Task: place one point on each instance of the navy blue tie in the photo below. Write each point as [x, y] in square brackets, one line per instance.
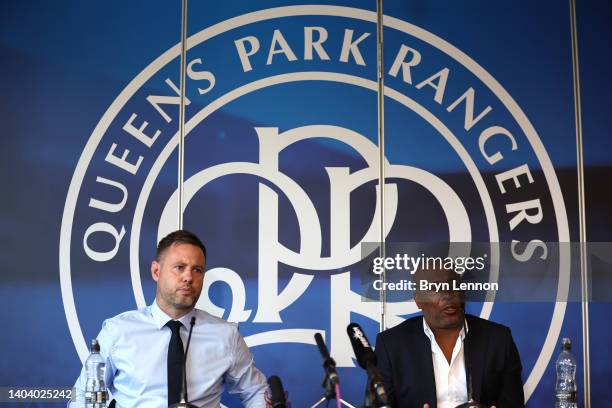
[175, 362]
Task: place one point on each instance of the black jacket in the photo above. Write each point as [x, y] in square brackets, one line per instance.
[405, 363]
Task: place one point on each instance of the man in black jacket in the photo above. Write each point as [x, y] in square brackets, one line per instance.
[427, 361]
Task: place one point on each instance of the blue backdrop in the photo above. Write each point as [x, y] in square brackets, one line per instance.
[281, 166]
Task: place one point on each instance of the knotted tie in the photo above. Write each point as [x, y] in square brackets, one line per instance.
[175, 362]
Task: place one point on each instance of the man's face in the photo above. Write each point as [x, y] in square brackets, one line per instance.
[179, 274]
[443, 309]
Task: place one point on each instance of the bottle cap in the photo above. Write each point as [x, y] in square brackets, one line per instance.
[566, 344]
[95, 346]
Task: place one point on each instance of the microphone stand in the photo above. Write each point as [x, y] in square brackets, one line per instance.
[331, 383]
[330, 394]
[375, 396]
[183, 403]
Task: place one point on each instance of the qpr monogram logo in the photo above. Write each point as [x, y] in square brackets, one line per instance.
[281, 174]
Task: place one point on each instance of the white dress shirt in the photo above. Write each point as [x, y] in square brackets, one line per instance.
[135, 345]
[451, 389]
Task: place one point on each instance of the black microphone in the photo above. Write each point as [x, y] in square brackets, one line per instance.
[361, 346]
[367, 360]
[184, 403]
[277, 392]
[328, 363]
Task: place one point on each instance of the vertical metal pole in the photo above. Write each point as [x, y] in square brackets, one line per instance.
[584, 282]
[381, 154]
[181, 141]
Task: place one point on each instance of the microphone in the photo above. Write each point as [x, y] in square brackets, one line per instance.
[471, 403]
[328, 363]
[277, 392]
[367, 360]
[184, 403]
[361, 346]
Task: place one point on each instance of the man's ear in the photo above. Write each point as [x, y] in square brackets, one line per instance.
[155, 270]
[417, 299]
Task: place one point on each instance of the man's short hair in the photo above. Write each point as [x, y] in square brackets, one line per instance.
[178, 237]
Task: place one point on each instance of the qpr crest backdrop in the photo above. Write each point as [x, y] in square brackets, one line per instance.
[282, 169]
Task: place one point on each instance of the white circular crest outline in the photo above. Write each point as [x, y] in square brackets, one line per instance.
[334, 11]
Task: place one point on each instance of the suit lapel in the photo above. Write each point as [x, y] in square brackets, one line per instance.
[425, 373]
[475, 351]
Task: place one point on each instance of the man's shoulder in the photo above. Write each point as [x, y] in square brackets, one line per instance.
[414, 327]
[480, 325]
[128, 317]
[143, 316]
[208, 322]
[409, 327]
[207, 318]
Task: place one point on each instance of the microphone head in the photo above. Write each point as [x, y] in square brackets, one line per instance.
[277, 392]
[328, 363]
[192, 322]
[361, 346]
[321, 345]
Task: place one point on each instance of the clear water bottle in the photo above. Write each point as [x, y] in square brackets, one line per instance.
[95, 388]
[565, 387]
